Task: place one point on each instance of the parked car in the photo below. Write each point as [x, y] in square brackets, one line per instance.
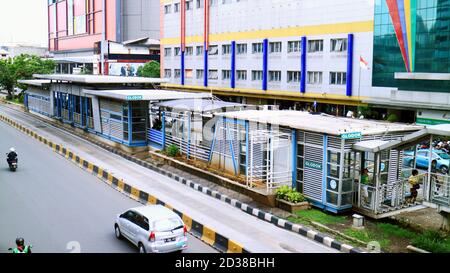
[152, 228]
[440, 158]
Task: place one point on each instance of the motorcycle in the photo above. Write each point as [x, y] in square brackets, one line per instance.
[12, 164]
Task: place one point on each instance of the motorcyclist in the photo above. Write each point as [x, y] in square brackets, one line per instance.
[21, 247]
[11, 156]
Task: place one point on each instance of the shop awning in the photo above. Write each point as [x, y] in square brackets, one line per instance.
[145, 94]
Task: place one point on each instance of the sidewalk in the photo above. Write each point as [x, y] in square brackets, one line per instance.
[253, 234]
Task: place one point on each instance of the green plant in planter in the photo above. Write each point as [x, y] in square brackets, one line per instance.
[282, 191]
[289, 194]
[173, 150]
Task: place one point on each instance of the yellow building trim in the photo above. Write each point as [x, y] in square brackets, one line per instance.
[363, 26]
[275, 94]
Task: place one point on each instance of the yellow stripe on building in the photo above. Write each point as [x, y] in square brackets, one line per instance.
[364, 26]
[407, 4]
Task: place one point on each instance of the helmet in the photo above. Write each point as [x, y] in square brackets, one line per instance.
[20, 241]
[12, 149]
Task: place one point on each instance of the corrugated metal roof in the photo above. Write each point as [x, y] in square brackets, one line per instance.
[145, 94]
[92, 79]
[198, 105]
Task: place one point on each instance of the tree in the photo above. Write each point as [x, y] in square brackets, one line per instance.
[22, 67]
[149, 70]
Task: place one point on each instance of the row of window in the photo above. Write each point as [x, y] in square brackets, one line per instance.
[199, 5]
[336, 45]
[314, 77]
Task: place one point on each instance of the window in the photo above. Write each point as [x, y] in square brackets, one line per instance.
[167, 9]
[189, 51]
[315, 77]
[338, 45]
[257, 75]
[338, 78]
[212, 3]
[226, 49]
[199, 74]
[241, 49]
[275, 47]
[213, 75]
[199, 50]
[177, 73]
[257, 48]
[167, 73]
[274, 76]
[293, 46]
[167, 51]
[188, 5]
[293, 76]
[226, 74]
[176, 7]
[242, 75]
[199, 4]
[188, 73]
[177, 51]
[315, 46]
[213, 50]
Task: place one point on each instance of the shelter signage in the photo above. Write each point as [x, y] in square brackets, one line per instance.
[354, 135]
[135, 97]
[313, 165]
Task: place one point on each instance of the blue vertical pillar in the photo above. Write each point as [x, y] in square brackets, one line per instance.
[58, 104]
[25, 101]
[233, 64]
[86, 107]
[82, 114]
[182, 67]
[350, 65]
[163, 130]
[324, 169]
[205, 66]
[294, 158]
[130, 125]
[303, 66]
[247, 146]
[265, 63]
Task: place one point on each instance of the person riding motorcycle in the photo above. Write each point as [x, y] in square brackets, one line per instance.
[21, 247]
[11, 156]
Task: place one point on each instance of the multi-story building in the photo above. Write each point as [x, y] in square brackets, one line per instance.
[98, 34]
[286, 52]
[297, 52]
[13, 49]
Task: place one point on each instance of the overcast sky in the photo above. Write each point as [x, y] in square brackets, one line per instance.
[23, 21]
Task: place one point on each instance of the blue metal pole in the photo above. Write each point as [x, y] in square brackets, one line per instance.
[324, 170]
[233, 64]
[303, 66]
[265, 63]
[350, 65]
[205, 66]
[247, 146]
[130, 126]
[82, 111]
[182, 67]
[163, 130]
[294, 158]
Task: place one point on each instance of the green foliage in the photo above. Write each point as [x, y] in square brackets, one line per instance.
[149, 70]
[392, 118]
[368, 236]
[432, 241]
[173, 150]
[289, 194]
[22, 67]
[320, 217]
[395, 231]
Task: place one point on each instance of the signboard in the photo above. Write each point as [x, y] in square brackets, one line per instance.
[313, 165]
[354, 135]
[123, 69]
[135, 97]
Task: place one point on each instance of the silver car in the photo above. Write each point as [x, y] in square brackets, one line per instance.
[152, 228]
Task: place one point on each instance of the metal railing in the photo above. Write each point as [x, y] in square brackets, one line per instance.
[77, 118]
[440, 189]
[196, 151]
[65, 114]
[90, 122]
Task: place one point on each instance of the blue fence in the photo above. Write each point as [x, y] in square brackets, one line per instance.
[155, 136]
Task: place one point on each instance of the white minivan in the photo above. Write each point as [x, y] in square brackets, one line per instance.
[152, 228]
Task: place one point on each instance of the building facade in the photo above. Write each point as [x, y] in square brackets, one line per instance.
[270, 52]
[294, 53]
[81, 32]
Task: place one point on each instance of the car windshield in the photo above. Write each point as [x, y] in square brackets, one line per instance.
[443, 155]
[168, 224]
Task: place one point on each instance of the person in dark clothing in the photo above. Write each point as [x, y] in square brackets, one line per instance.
[12, 155]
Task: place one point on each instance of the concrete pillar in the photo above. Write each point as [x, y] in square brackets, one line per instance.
[445, 226]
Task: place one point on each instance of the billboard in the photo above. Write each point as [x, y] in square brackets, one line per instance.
[124, 69]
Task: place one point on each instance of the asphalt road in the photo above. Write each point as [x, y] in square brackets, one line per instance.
[56, 206]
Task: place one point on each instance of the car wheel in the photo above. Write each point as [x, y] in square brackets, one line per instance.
[444, 169]
[142, 248]
[117, 232]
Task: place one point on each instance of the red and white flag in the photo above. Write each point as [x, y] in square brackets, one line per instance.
[363, 63]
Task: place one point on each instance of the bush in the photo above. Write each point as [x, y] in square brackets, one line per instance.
[392, 118]
[173, 150]
[432, 241]
[289, 194]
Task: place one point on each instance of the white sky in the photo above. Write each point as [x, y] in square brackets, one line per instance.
[23, 21]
